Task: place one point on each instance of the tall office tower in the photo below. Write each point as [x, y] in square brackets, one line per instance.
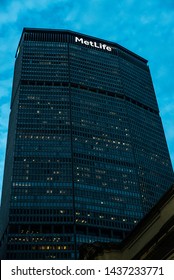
[86, 152]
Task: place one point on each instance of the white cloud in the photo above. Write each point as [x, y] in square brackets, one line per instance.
[169, 130]
[11, 12]
[167, 17]
[3, 140]
[161, 72]
[4, 115]
[5, 88]
[172, 158]
[6, 83]
[168, 108]
[146, 19]
[1, 173]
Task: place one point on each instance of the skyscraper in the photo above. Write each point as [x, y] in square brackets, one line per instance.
[86, 153]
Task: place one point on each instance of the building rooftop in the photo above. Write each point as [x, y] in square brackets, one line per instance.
[53, 31]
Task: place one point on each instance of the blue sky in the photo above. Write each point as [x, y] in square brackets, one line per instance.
[144, 27]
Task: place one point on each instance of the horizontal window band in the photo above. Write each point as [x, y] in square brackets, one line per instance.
[91, 89]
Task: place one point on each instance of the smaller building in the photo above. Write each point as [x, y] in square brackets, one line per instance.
[152, 238]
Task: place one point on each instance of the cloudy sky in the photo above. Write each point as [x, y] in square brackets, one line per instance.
[144, 27]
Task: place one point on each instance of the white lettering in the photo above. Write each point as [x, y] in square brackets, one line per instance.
[86, 43]
[79, 40]
[109, 49]
[93, 44]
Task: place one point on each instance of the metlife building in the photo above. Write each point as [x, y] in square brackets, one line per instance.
[86, 153]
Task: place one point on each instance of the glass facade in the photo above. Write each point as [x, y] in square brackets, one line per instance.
[86, 153]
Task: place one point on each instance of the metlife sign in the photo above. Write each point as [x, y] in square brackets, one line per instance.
[93, 44]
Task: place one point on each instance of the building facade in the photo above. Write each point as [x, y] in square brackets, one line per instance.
[86, 154]
[151, 239]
